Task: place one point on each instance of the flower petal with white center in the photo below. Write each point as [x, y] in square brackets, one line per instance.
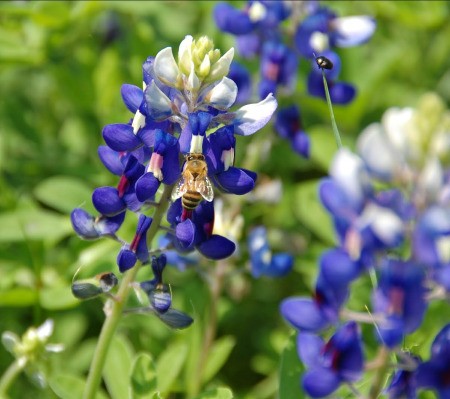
[431, 179]
[165, 67]
[395, 121]
[252, 117]
[159, 105]
[221, 67]
[223, 95]
[354, 30]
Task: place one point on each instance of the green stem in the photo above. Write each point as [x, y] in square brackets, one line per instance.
[115, 312]
[9, 376]
[380, 375]
[333, 121]
[216, 287]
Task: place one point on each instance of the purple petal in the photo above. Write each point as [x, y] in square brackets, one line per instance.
[248, 45]
[309, 347]
[109, 225]
[120, 137]
[337, 267]
[185, 232]
[132, 97]
[320, 382]
[304, 314]
[107, 201]
[83, 224]
[126, 259]
[301, 144]
[237, 181]
[231, 20]
[146, 187]
[217, 247]
[111, 159]
[342, 93]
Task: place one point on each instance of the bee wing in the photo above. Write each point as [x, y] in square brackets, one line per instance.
[205, 189]
[175, 319]
[179, 190]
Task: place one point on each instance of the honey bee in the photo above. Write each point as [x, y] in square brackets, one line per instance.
[194, 184]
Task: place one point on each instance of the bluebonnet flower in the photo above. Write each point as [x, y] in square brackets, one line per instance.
[258, 32]
[263, 262]
[434, 372]
[400, 296]
[337, 270]
[183, 108]
[330, 364]
[289, 126]
[390, 199]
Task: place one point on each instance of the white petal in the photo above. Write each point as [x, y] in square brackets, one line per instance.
[385, 223]
[223, 95]
[353, 30]
[158, 104]
[395, 121]
[348, 169]
[431, 179]
[54, 348]
[252, 117]
[185, 47]
[377, 152]
[45, 330]
[138, 121]
[10, 340]
[221, 67]
[193, 81]
[165, 67]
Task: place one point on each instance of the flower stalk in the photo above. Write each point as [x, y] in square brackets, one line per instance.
[10, 375]
[113, 317]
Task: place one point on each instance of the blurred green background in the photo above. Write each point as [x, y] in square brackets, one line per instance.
[61, 68]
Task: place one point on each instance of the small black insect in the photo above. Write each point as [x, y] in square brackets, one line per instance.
[324, 62]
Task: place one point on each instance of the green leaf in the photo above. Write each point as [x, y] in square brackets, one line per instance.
[218, 355]
[169, 365]
[63, 193]
[18, 297]
[57, 298]
[311, 213]
[117, 368]
[69, 386]
[33, 224]
[143, 377]
[217, 393]
[290, 371]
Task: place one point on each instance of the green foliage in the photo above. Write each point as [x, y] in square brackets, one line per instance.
[61, 68]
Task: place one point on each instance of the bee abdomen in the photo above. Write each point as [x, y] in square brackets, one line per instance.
[191, 199]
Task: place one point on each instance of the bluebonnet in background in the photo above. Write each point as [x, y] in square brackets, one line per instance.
[390, 207]
[184, 107]
[281, 34]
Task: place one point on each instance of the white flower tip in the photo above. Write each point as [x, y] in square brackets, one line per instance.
[45, 330]
[165, 67]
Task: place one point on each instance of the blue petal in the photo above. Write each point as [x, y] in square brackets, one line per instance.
[109, 225]
[126, 259]
[107, 201]
[217, 247]
[231, 20]
[304, 314]
[320, 382]
[342, 93]
[120, 137]
[111, 159]
[240, 75]
[301, 144]
[83, 224]
[185, 232]
[248, 45]
[337, 267]
[236, 181]
[132, 97]
[281, 265]
[146, 187]
[309, 347]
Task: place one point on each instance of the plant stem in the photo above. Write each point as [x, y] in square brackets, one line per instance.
[9, 376]
[380, 375]
[337, 136]
[216, 286]
[115, 313]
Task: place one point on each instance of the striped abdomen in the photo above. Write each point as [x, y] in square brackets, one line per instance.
[191, 199]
